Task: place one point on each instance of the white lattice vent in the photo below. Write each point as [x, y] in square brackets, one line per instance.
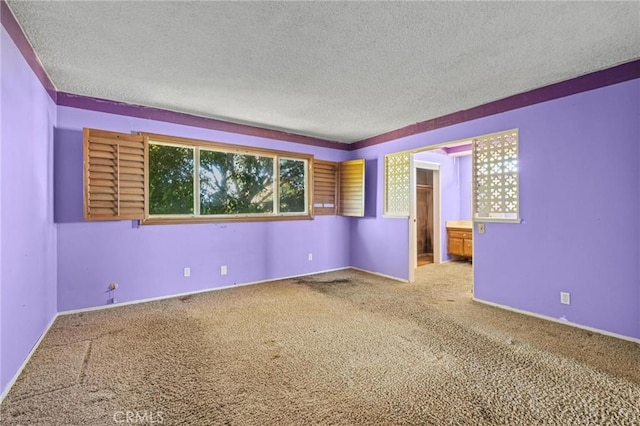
[495, 173]
[397, 184]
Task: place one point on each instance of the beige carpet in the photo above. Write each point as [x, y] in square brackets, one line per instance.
[343, 348]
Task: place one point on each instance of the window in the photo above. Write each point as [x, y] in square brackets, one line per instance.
[293, 178]
[171, 180]
[201, 181]
[165, 179]
[495, 177]
[233, 184]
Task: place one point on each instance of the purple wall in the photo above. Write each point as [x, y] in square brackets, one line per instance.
[580, 205]
[376, 244]
[464, 168]
[148, 261]
[3, 381]
[27, 230]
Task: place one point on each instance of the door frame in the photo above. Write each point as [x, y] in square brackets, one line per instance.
[413, 214]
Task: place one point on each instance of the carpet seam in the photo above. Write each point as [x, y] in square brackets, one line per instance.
[85, 362]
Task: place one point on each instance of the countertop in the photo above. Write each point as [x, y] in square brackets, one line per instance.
[463, 224]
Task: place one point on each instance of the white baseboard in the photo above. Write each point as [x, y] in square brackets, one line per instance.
[379, 274]
[189, 293]
[133, 302]
[559, 321]
[26, 360]
[170, 296]
[442, 262]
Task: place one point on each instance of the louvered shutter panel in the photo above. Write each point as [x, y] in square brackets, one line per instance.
[325, 187]
[114, 175]
[351, 188]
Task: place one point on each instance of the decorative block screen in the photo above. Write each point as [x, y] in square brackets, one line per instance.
[495, 174]
[397, 169]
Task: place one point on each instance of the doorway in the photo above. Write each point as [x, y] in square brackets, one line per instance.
[448, 173]
[425, 245]
[424, 216]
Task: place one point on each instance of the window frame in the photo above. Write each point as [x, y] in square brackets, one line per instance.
[308, 196]
[196, 217]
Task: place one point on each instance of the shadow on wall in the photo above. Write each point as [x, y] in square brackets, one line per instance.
[68, 176]
[370, 180]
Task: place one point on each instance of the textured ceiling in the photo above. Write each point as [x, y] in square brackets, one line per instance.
[341, 71]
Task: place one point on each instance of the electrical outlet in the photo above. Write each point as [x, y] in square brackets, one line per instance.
[310, 256]
[481, 228]
[186, 272]
[565, 298]
[223, 270]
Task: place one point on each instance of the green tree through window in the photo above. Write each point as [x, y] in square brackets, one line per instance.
[170, 180]
[235, 183]
[292, 179]
[229, 183]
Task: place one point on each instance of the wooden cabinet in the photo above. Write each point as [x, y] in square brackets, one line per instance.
[460, 242]
[467, 250]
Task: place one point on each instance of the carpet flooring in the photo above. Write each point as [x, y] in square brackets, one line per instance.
[342, 348]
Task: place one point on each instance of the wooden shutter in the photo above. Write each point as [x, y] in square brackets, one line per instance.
[325, 187]
[114, 175]
[351, 188]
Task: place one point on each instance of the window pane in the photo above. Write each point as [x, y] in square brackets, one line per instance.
[170, 179]
[292, 180]
[235, 183]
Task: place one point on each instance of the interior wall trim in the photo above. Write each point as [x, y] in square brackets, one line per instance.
[391, 277]
[26, 360]
[193, 292]
[18, 36]
[595, 80]
[167, 116]
[559, 321]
